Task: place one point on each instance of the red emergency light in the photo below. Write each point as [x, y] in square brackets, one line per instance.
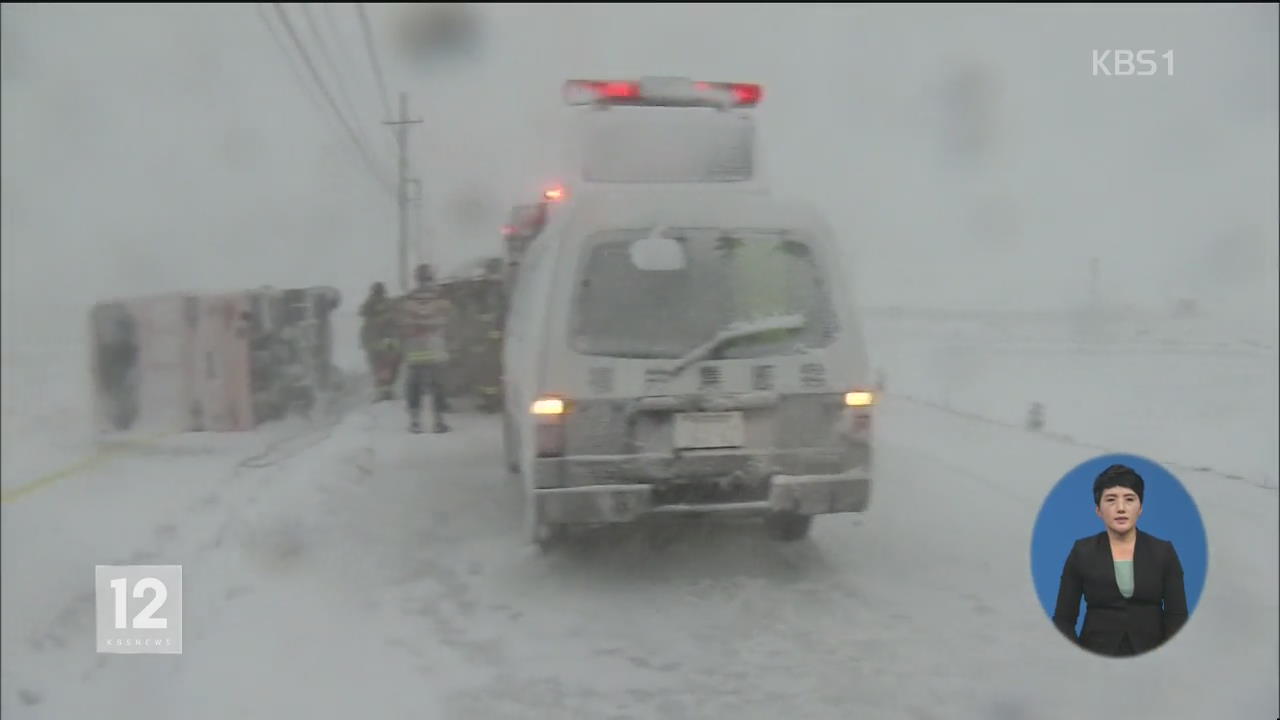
[611, 90]
[554, 194]
[747, 94]
[671, 92]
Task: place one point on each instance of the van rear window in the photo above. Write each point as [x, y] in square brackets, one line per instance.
[729, 276]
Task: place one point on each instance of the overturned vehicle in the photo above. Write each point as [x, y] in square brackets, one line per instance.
[217, 362]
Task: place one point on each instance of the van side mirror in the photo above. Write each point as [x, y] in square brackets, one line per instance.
[657, 253]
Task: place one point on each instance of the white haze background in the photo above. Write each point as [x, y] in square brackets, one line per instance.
[170, 148]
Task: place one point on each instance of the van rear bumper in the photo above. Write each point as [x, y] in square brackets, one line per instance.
[799, 494]
[739, 466]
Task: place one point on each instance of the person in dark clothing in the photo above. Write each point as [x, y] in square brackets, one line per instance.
[1131, 581]
[379, 339]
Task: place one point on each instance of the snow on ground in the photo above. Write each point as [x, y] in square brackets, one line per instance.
[43, 421]
[142, 506]
[381, 574]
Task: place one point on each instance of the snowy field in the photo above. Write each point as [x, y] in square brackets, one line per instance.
[358, 571]
[1190, 393]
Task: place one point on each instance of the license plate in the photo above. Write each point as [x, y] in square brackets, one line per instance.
[709, 430]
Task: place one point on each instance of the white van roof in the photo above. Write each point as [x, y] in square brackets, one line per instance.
[598, 209]
[686, 146]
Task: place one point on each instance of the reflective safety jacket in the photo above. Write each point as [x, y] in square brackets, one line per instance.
[422, 318]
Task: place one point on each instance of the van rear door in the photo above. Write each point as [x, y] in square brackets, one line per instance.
[726, 363]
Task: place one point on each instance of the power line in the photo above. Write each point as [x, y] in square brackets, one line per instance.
[373, 58]
[315, 75]
[331, 20]
[371, 165]
[291, 60]
[355, 135]
[333, 66]
[345, 57]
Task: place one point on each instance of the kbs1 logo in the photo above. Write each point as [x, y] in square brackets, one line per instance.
[1124, 63]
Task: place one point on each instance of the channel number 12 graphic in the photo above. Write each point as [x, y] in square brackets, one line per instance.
[139, 608]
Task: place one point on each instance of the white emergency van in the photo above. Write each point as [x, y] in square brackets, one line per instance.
[687, 348]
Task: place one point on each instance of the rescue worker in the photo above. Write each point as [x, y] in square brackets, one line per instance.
[379, 338]
[422, 319]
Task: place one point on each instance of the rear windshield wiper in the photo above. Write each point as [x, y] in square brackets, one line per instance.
[735, 332]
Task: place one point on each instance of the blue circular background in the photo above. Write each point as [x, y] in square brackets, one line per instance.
[1168, 512]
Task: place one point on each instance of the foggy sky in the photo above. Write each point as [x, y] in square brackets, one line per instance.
[166, 148]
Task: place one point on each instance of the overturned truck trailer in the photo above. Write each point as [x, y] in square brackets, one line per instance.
[218, 362]
[291, 350]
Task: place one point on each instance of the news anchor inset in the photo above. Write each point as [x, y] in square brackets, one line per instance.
[1131, 581]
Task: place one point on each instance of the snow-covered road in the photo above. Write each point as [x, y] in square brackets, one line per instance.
[380, 574]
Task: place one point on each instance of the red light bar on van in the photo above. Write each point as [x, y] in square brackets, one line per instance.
[659, 92]
[747, 94]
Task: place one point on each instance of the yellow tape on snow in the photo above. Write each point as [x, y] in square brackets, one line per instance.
[94, 460]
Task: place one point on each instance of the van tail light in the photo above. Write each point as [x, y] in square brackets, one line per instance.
[858, 405]
[549, 413]
[859, 398]
[547, 406]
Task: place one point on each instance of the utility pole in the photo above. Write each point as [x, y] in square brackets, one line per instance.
[402, 141]
[418, 229]
[1093, 281]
